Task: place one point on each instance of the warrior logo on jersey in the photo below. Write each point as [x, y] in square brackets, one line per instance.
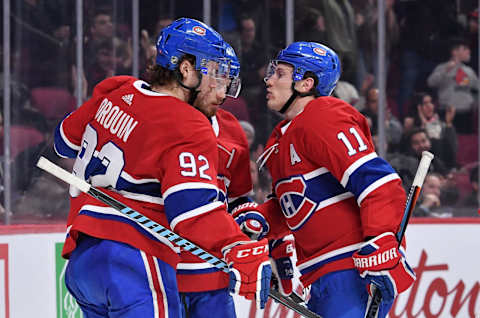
[296, 207]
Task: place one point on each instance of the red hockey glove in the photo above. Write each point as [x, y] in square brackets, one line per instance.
[381, 263]
[250, 270]
[281, 252]
[250, 220]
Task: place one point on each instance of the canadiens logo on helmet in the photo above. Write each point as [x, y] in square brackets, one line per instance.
[199, 30]
[320, 51]
[174, 60]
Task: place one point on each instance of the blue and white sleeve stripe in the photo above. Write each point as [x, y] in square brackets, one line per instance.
[188, 200]
[64, 147]
[366, 175]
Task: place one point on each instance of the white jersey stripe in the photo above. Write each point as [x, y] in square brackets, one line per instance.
[131, 179]
[375, 185]
[195, 212]
[315, 173]
[333, 200]
[323, 204]
[354, 166]
[194, 266]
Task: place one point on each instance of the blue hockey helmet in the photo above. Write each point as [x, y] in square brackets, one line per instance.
[313, 57]
[234, 73]
[189, 36]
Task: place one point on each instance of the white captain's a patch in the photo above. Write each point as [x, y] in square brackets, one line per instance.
[294, 158]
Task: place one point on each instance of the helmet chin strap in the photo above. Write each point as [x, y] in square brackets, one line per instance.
[193, 90]
[294, 95]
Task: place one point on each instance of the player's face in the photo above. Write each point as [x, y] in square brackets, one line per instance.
[279, 85]
[212, 89]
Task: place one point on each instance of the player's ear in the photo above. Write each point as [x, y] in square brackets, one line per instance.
[185, 69]
[305, 85]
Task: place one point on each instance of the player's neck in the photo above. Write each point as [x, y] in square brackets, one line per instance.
[172, 90]
[297, 106]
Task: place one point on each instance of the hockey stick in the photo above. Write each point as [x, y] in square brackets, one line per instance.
[157, 229]
[412, 198]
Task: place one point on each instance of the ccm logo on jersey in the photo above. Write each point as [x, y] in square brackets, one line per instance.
[376, 260]
[252, 251]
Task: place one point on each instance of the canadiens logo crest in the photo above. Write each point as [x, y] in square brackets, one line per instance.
[199, 30]
[320, 51]
[296, 207]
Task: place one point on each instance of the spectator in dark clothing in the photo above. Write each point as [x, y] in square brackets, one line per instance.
[442, 133]
[418, 141]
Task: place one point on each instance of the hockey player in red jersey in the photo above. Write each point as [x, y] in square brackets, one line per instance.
[342, 202]
[145, 145]
[203, 288]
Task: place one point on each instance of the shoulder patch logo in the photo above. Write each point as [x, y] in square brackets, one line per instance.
[128, 99]
[294, 158]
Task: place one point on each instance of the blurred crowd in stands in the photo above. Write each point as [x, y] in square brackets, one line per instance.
[432, 80]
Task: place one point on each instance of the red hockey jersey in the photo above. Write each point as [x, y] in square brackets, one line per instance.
[154, 153]
[234, 182]
[331, 186]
